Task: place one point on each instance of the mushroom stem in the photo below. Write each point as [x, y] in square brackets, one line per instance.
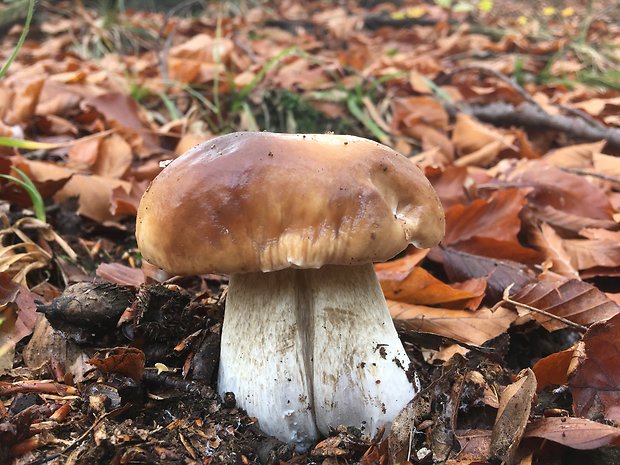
[307, 350]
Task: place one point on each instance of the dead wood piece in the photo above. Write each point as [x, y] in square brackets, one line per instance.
[532, 116]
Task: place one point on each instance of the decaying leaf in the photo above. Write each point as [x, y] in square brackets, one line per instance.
[127, 361]
[595, 382]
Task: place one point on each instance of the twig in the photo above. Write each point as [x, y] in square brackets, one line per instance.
[532, 116]
[76, 442]
[594, 174]
[567, 322]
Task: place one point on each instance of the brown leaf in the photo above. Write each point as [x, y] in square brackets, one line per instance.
[94, 194]
[470, 136]
[126, 203]
[449, 184]
[606, 164]
[24, 101]
[574, 156]
[471, 327]
[595, 383]
[461, 266]
[502, 250]
[114, 157]
[120, 274]
[553, 369]
[548, 241]
[420, 287]
[83, 154]
[563, 191]
[18, 313]
[512, 416]
[574, 300]
[409, 111]
[496, 218]
[577, 433]
[126, 361]
[569, 221]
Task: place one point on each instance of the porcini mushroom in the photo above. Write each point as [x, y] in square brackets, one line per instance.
[297, 221]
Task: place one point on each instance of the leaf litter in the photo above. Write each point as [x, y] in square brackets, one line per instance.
[512, 114]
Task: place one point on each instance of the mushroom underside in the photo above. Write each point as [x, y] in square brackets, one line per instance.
[308, 350]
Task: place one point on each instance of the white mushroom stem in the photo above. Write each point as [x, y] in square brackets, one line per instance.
[308, 350]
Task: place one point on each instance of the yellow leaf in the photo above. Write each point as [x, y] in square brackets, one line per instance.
[568, 11]
[548, 11]
[485, 5]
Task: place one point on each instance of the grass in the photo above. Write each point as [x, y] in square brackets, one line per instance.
[20, 42]
[35, 196]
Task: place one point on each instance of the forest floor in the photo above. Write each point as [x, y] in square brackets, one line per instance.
[511, 323]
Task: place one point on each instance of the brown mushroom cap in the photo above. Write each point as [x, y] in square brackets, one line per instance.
[258, 201]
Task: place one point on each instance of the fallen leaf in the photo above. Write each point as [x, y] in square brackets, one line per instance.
[499, 274]
[126, 361]
[472, 327]
[553, 369]
[577, 433]
[513, 414]
[496, 217]
[94, 193]
[574, 300]
[548, 241]
[120, 274]
[114, 157]
[449, 184]
[595, 383]
[17, 317]
[470, 136]
[420, 287]
[574, 156]
[126, 203]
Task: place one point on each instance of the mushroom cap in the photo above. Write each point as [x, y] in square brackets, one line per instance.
[259, 201]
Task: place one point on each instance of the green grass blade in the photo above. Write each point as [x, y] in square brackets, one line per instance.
[356, 111]
[21, 40]
[27, 144]
[32, 191]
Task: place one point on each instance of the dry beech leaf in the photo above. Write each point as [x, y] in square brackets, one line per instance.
[472, 327]
[83, 154]
[553, 369]
[126, 361]
[502, 250]
[568, 221]
[126, 203]
[499, 274]
[574, 300]
[496, 218]
[470, 136]
[577, 433]
[409, 111]
[401, 267]
[548, 241]
[515, 404]
[114, 158]
[24, 102]
[421, 287]
[574, 156]
[449, 184]
[595, 383]
[94, 193]
[606, 164]
[18, 313]
[120, 274]
[563, 191]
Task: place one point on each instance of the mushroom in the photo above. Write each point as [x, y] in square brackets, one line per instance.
[297, 221]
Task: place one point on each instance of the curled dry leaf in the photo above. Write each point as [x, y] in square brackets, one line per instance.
[120, 274]
[476, 142]
[574, 300]
[548, 241]
[595, 382]
[577, 433]
[126, 361]
[471, 327]
[18, 316]
[512, 416]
